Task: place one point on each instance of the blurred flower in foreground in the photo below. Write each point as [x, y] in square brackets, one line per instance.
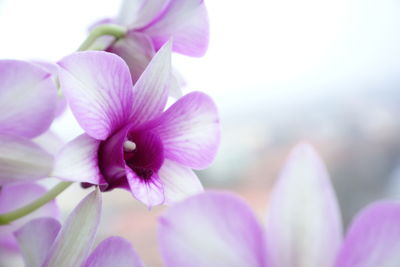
[14, 196]
[303, 227]
[27, 108]
[130, 142]
[44, 242]
[150, 24]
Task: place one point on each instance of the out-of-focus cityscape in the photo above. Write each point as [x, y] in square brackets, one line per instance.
[281, 72]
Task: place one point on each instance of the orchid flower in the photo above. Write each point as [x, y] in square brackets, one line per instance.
[27, 108]
[14, 196]
[303, 226]
[130, 142]
[150, 24]
[44, 242]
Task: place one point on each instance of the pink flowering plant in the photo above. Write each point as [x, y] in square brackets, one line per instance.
[139, 139]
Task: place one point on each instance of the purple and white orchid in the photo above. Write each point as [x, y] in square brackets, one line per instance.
[303, 226]
[150, 24]
[44, 242]
[27, 108]
[130, 141]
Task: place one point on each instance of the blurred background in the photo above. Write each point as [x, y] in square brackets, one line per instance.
[281, 72]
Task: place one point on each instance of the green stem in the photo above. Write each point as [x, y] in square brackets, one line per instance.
[6, 218]
[101, 30]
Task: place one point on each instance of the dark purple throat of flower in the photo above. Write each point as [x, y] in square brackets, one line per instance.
[140, 151]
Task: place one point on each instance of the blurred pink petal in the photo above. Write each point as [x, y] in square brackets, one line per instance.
[114, 251]
[97, 86]
[373, 238]
[15, 196]
[27, 98]
[303, 226]
[36, 238]
[211, 229]
[76, 237]
[22, 160]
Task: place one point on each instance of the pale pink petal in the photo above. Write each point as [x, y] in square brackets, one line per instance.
[36, 238]
[114, 251]
[186, 22]
[177, 83]
[151, 90]
[190, 131]
[303, 226]
[137, 50]
[22, 160]
[15, 196]
[78, 161]
[27, 98]
[211, 229]
[179, 181]
[49, 141]
[150, 192]
[98, 88]
[74, 241]
[373, 238]
[138, 13]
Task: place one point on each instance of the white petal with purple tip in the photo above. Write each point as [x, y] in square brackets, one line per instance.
[27, 98]
[190, 131]
[151, 90]
[98, 88]
[75, 240]
[36, 238]
[303, 226]
[78, 161]
[114, 251]
[211, 229]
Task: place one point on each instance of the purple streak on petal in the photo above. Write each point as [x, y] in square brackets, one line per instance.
[27, 98]
[179, 182]
[78, 161]
[151, 90]
[190, 131]
[114, 251]
[36, 238]
[150, 191]
[98, 88]
[138, 13]
[74, 241]
[15, 196]
[137, 50]
[303, 226]
[22, 160]
[186, 22]
[373, 238]
[211, 229]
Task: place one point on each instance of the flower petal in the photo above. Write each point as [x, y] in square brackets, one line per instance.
[211, 229]
[190, 131]
[151, 90]
[373, 238]
[74, 241]
[179, 182]
[138, 13]
[21, 160]
[186, 22]
[15, 196]
[36, 238]
[114, 251]
[78, 161]
[150, 192]
[303, 222]
[137, 50]
[98, 88]
[27, 98]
